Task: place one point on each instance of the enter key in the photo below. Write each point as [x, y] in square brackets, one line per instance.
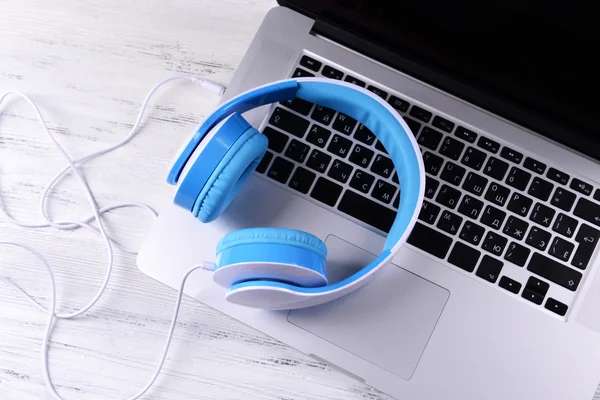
[587, 237]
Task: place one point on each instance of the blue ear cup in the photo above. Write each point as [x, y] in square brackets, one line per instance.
[229, 176]
[274, 254]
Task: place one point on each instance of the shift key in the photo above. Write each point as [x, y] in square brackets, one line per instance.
[554, 271]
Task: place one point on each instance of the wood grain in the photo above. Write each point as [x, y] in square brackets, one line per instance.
[88, 65]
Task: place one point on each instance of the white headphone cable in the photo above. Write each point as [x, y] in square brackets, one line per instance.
[96, 215]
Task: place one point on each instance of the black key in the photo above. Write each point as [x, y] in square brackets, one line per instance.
[464, 257]
[488, 144]
[354, 80]
[429, 240]
[587, 237]
[495, 168]
[588, 210]
[518, 178]
[381, 93]
[379, 146]
[535, 290]
[475, 183]
[326, 191]
[542, 214]
[430, 138]
[515, 227]
[329, 72]
[382, 166]
[301, 73]
[538, 238]
[473, 158]
[318, 135]
[561, 249]
[280, 170]
[339, 145]
[448, 196]
[432, 163]
[540, 188]
[597, 194]
[302, 180]
[361, 155]
[395, 178]
[453, 173]
[556, 306]
[301, 106]
[557, 176]
[581, 186]
[289, 122]
[383, 191]
[554, 271]
[318, 161]
[322, 114]
[494, 243]
[431, 186]
[443, 124]
[429, 212]
[465, 134]
[362, 181]
[489, 268]
[497, 194]
[493, 217]
[420, 113]
[340, 171]
[413, 125]
[397, 200]
[511, 155]
[277, 140]
[517, 254]
[364, 134]
[519, 204]
[310, 63]
[563, 199]
[452, 148]
[449, 222]
[344, 124]
[297, 151]
[470, 207]
[509, 284]
[534, 165]
[264, 162]
[367, 211]
[398, 103]
[565, 225]
[471, 232]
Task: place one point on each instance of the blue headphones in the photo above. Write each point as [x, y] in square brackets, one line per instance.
[276, 268]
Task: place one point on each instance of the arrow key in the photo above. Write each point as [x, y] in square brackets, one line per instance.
[556, 306]
[489, 269]
[535, 290]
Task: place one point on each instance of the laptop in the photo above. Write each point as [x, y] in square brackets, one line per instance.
[496, 295]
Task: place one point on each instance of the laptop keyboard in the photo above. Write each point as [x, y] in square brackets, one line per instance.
[507, 218]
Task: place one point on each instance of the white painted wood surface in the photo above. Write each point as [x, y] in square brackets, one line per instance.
[88, 65]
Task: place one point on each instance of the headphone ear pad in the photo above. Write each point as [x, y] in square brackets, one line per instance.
[229, 176]
[271, 254]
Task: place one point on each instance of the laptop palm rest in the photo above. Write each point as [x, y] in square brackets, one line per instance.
[387, 322]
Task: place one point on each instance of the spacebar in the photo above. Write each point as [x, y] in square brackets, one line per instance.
[429, 240]
[367, 211]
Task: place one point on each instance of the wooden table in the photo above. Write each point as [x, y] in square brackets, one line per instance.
[88, 65]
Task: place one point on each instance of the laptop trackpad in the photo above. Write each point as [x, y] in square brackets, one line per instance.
[387, 322]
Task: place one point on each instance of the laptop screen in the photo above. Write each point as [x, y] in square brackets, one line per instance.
[532, 64]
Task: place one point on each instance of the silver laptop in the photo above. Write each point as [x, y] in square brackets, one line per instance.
[497, 293]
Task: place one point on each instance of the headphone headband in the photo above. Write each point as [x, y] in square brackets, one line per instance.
[368, 109]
